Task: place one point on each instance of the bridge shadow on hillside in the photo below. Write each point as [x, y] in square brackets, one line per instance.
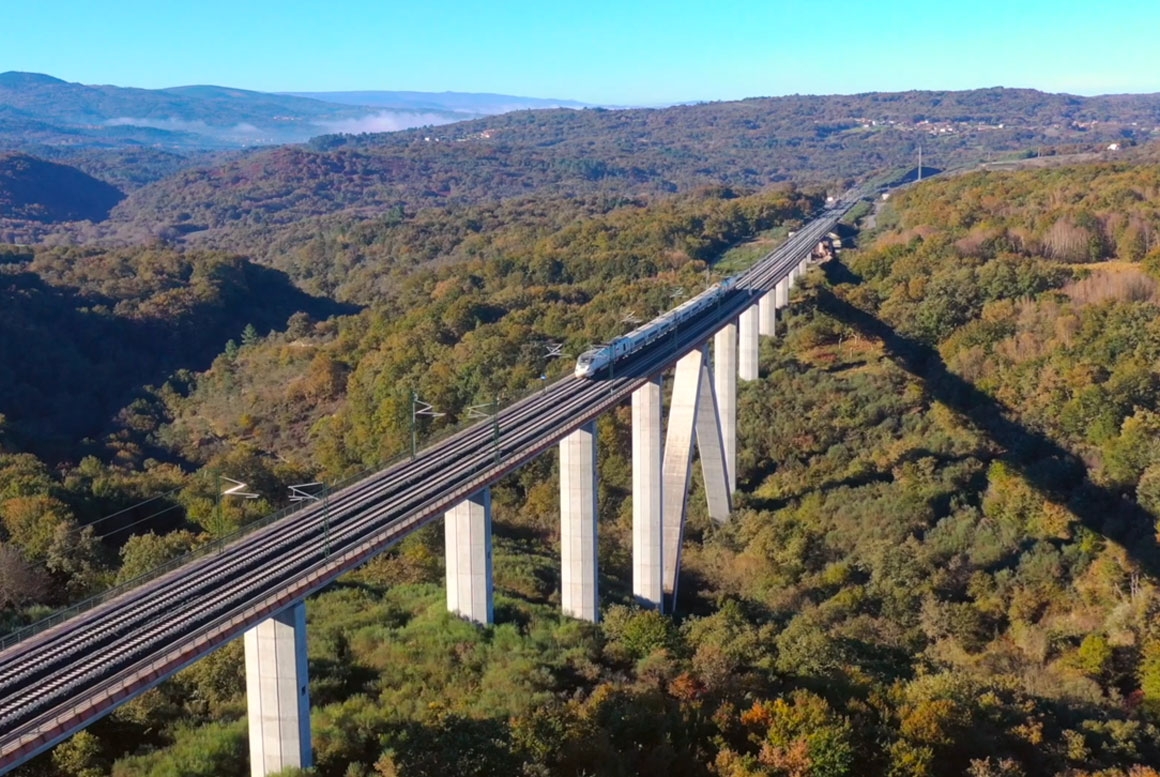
[764, 470]
[1046, 465]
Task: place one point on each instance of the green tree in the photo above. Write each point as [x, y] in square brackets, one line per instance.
[142, 553]
[1149, 676]
[250, 335]
[637, 632]
[32, 523]
[1094, 656]
[81, 755]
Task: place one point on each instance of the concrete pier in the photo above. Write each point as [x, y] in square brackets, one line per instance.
[692, 412]
[781, 292]
[714, 469]
[579, 596]
[467, 540]
[277, 698]
[647, 488]
[767, 314]
[678, 460]
[725, 385]
[748, 348]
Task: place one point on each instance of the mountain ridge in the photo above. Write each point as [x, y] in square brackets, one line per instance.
[209, 116]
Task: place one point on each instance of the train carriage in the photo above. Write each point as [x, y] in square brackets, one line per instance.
[596, 359]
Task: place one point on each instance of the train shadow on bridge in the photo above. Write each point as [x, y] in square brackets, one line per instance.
[1046, 465]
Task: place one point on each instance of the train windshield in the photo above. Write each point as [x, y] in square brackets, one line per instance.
[584, 360]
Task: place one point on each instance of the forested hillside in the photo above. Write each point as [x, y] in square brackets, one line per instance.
[822, 140]
[476, 326]
[83, 331]
[246, 201]
[943, 562]
[130, 168]
[34, 190]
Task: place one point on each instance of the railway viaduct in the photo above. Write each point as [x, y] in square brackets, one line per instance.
[56, 680]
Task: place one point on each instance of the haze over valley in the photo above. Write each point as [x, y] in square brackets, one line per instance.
[41, 112]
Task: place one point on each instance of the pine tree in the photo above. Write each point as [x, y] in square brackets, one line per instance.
[249, 335]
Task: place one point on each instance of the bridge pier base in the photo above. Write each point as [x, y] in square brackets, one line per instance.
[647, 487]
[725, 387]
[579, 595]
[748, 327]
[467, 541]
[277, 697]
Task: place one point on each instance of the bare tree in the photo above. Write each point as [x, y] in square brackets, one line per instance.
[1067, 242]
[20, 582]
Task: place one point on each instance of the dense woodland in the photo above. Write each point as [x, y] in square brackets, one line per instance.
[943, 561]
[944, 557]
[822, 140]
[82, 331]
[34, 190]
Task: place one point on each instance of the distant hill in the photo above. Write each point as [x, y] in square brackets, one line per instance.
[32, 189]
[752, 143]
[39, 112]
[38, 109]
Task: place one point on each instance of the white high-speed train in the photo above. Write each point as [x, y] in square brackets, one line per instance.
[596, 359]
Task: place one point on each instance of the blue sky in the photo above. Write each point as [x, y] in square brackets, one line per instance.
[600, 51]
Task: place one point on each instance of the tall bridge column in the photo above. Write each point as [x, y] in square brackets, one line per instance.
[767, 314]
[693, 412]
[467, 541]
[781, 291]
[277, 698]
[579, 596]
[748, 327]
[711, 446]
[647, 484]
[725, 386]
